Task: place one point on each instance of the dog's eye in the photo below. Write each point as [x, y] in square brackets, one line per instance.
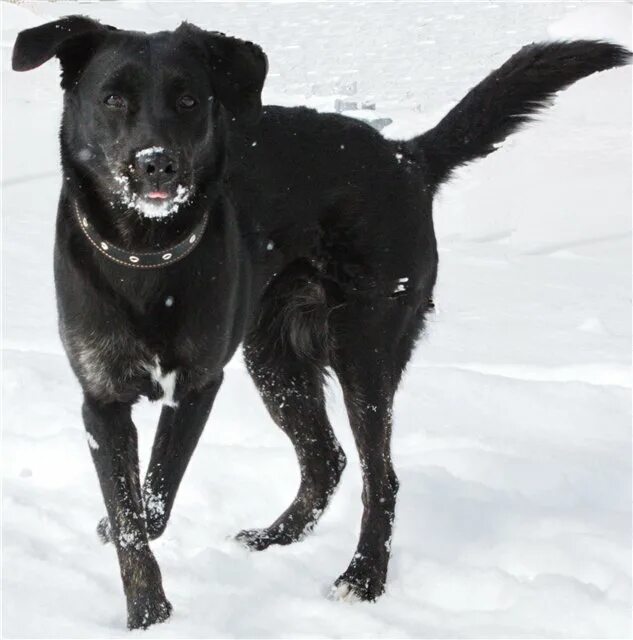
[187, 102]
[115, 102]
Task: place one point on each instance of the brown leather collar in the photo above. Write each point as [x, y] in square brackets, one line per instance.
[142, 259]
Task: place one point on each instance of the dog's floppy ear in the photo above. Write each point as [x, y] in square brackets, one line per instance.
[72, 39]
[237, 70]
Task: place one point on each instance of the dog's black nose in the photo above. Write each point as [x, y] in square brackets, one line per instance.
[156, 165]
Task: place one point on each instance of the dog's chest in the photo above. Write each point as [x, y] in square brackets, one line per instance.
[118, 366]
[159, 337]
[119, 357]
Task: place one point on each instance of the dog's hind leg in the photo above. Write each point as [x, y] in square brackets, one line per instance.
[291, 385]
[114, 447]
[293, 394]
[372, 344]
[177, 435]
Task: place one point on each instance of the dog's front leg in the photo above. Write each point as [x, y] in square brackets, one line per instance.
[178, 432]
[114, 448]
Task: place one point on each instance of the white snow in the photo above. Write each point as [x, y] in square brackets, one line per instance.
[150, 209]
[92, 443]
[512, 427]
[149, 151]
[343, 592]
[155, 504]
[147, 208]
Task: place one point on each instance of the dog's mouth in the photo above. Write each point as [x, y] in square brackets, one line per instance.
[158, 195]
[156, 203]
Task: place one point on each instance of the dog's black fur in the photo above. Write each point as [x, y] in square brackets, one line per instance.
[320, 252]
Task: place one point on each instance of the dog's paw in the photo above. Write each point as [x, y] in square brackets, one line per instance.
[156, 526]
[356, 586]
[147, 610]
[104, 531]
[260, 539]
[342, 591]
[255, 539]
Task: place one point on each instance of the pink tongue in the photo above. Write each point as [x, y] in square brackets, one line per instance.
[160, 195]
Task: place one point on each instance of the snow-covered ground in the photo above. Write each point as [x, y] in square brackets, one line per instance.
[512, 427]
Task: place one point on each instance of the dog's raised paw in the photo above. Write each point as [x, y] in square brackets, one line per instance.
[260, 539]
[255, 539]
[103, 531]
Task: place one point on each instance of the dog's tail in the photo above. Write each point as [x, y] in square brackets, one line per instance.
[507, 98]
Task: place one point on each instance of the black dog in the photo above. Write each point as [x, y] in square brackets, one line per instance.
[187, 225]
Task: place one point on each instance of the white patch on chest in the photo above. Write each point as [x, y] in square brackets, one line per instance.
[167, 382]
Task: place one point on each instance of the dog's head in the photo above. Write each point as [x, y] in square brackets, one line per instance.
[144, 113]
